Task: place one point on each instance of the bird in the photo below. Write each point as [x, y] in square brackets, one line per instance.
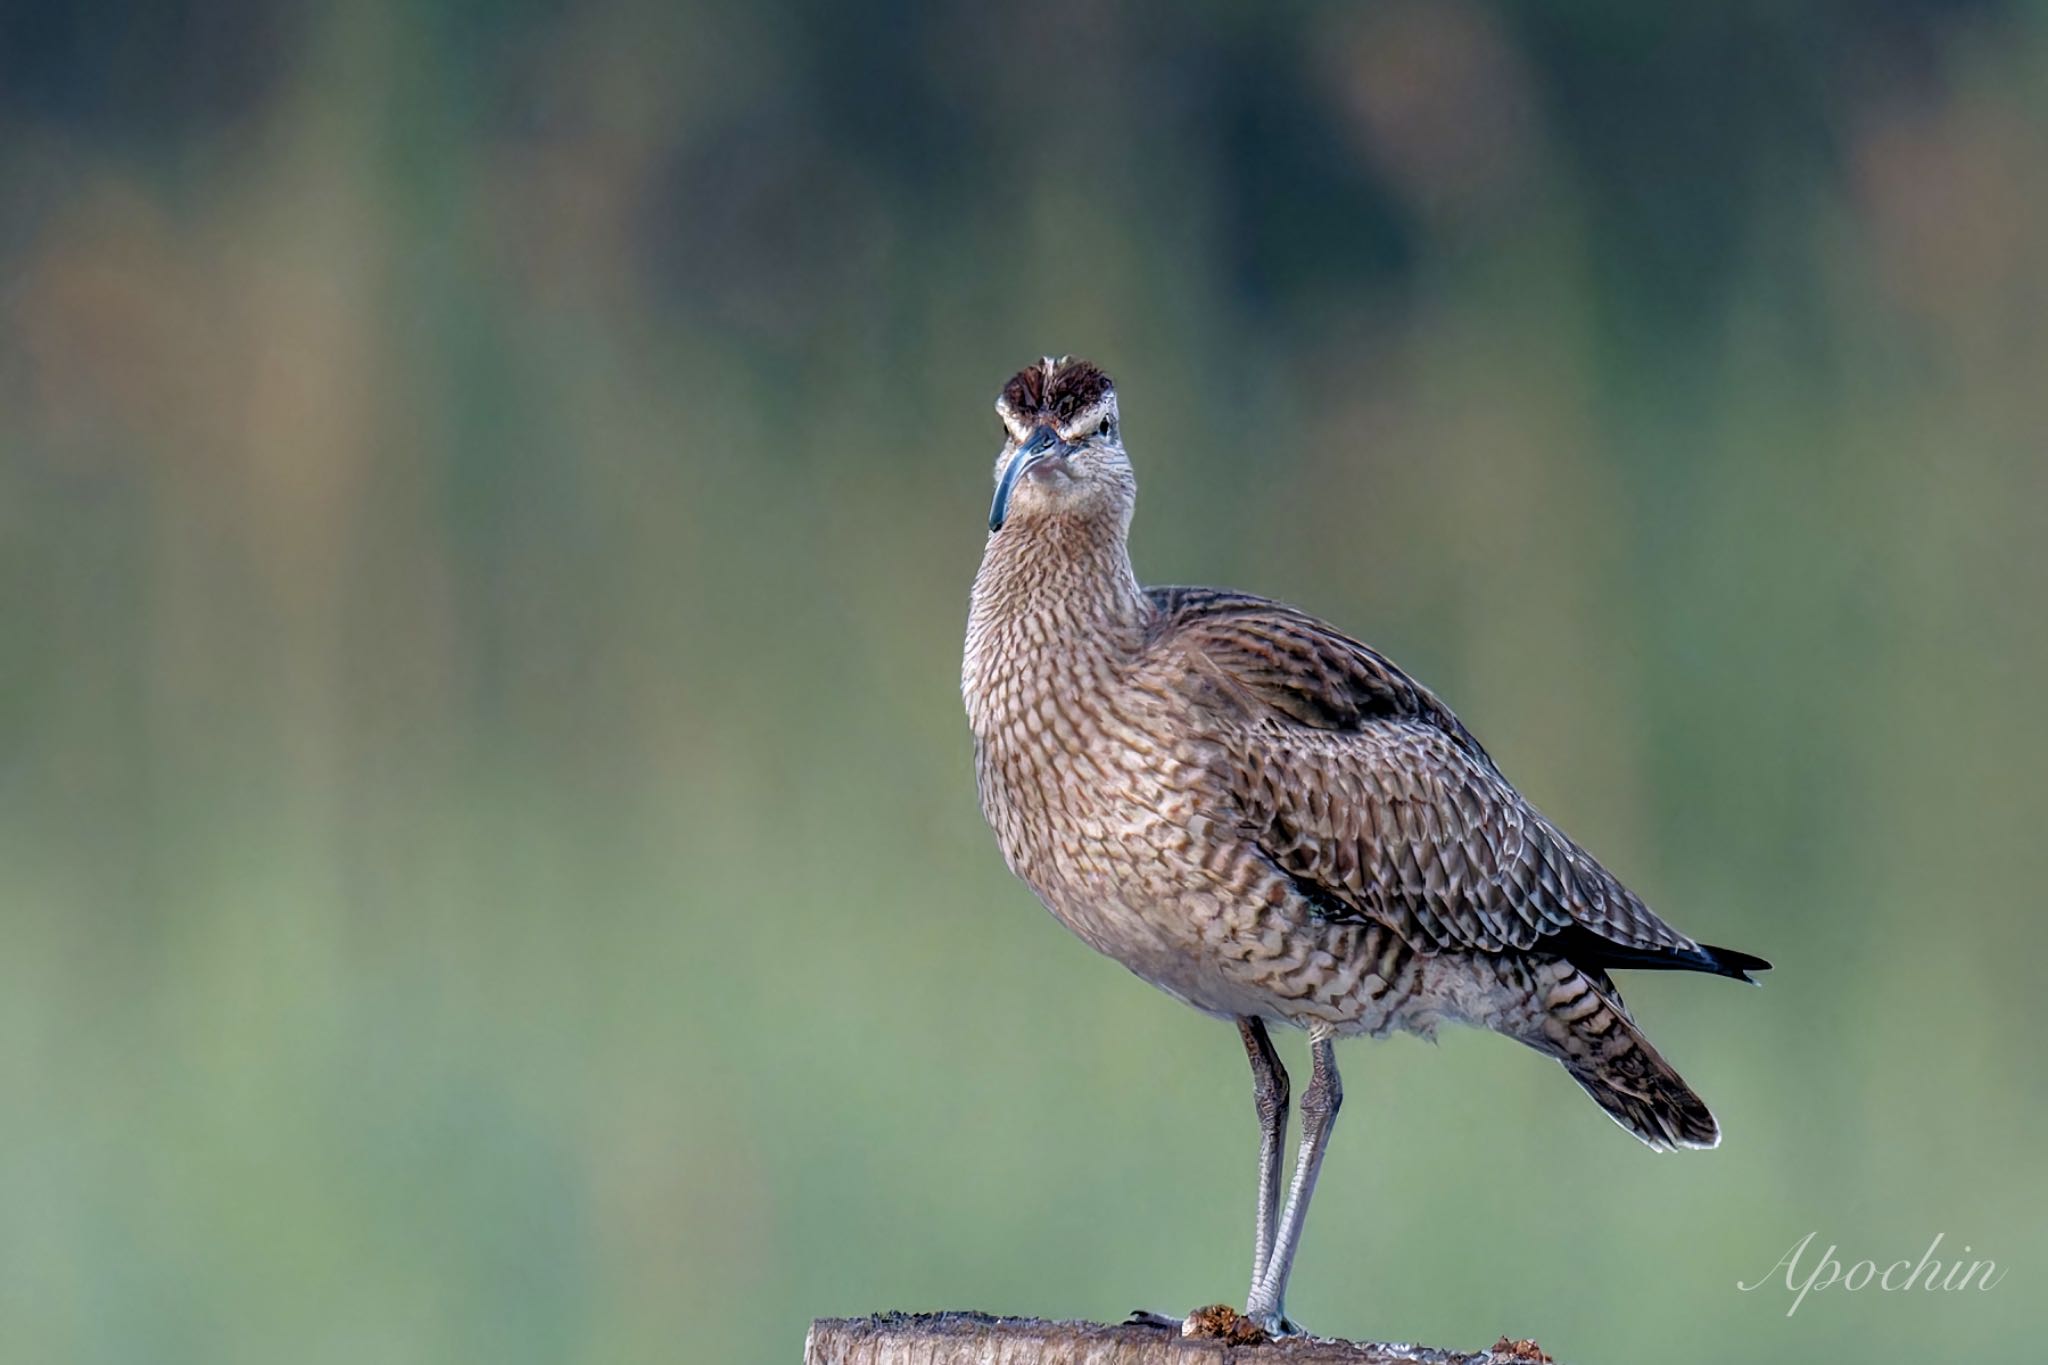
[1275, 824]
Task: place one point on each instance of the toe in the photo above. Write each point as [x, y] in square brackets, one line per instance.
[1279, 1326]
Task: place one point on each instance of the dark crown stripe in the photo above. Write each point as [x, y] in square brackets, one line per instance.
[1056, 391]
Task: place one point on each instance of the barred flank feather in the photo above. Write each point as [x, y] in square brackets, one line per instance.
[1589, 1031]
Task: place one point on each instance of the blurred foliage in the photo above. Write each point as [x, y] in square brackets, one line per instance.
[487, 498]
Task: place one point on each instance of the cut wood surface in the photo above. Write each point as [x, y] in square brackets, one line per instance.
[979, 1339]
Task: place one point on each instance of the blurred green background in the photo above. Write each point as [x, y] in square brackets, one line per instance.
[489, 866]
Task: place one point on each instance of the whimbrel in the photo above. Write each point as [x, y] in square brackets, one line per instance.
[1270, 821]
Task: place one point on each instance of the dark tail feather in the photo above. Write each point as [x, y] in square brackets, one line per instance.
[1731, 962]
[1588, 950]
[1587, 1029]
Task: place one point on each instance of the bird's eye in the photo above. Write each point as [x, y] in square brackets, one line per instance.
[1107, 429]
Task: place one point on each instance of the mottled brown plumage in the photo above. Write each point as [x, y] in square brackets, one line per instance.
[1271, 820]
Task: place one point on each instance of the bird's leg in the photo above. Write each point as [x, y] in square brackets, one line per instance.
[1269, 1097]
[1319, 1105]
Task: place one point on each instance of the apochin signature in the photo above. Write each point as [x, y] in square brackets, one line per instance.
[1827, 1272]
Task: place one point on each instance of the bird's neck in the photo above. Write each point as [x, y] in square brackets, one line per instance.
[1055, 601]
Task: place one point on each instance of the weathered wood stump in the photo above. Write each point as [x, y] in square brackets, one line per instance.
[979, 1339]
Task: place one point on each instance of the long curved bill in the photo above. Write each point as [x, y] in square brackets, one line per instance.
[1044, 443]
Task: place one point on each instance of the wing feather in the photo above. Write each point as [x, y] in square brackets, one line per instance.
[1371, 795]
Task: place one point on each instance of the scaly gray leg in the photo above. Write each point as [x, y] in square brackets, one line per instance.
[1269, 1097]
[1319, 1105]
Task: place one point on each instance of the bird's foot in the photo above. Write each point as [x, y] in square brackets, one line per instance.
[1221, 1322]
[1274, 1323]
[1279, 1326]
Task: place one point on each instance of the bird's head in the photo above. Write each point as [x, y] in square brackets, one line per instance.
[1062, 456]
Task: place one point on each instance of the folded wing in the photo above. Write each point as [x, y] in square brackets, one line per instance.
[1368, 792]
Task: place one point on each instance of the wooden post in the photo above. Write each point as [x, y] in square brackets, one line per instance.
[978, 1339]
